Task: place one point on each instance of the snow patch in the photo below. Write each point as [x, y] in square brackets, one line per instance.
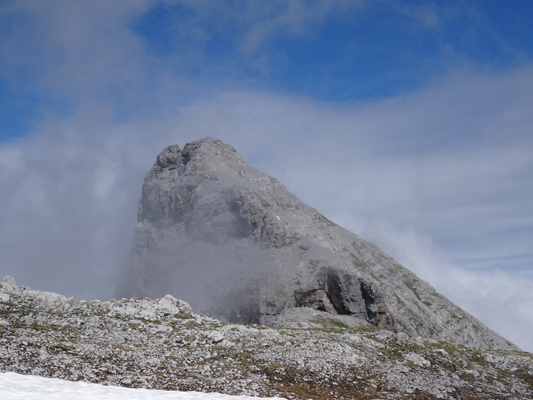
[17, 387]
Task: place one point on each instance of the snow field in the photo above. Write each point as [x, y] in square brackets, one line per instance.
[27, 387]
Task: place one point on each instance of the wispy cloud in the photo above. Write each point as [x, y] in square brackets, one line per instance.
[72, 47]
[70, 192]
[440, 177]
[500, 300]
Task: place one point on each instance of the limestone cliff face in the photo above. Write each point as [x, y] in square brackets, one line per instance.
[236, 244]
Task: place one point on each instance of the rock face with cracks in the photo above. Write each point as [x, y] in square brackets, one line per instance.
[239, 246]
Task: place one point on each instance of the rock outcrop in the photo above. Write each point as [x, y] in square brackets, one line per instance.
[161, 344]
[237, 245]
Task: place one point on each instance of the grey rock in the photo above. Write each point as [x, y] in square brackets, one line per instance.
[417, 359]
[215, 336]
[305, 317]
[145, 343]
[237, 245]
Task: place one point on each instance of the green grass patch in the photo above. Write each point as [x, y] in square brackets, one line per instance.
[191, 324]
[477, 358]
[38, 327]
[366, 329]
[61, 347]
[524, 375]
[468, 377]
[183, 316]
[330, 322]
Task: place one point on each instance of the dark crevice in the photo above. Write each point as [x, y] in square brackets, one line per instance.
[186, 157]
[377, 312]
[370, 300]
[334, 292]
[310, 298]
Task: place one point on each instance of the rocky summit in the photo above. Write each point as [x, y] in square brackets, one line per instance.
[240, 247]
[162, 344]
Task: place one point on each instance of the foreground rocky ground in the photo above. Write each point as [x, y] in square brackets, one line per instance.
[162, 344]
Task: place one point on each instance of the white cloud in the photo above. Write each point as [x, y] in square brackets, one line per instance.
[451, 163]
[449, 167]
[78, 50]
[73, 47]
[502, 301]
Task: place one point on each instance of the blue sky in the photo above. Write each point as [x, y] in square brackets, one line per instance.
[338, 51]
[408, 122]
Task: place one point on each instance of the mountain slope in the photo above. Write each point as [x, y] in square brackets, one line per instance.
[161, 344]
[237, 245]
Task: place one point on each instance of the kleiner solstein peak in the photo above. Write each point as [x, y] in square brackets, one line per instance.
[239, 246]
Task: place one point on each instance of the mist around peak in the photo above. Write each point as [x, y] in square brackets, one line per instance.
[239, 246]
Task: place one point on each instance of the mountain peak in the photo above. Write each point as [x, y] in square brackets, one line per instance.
[239, 246]
[206, 154]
